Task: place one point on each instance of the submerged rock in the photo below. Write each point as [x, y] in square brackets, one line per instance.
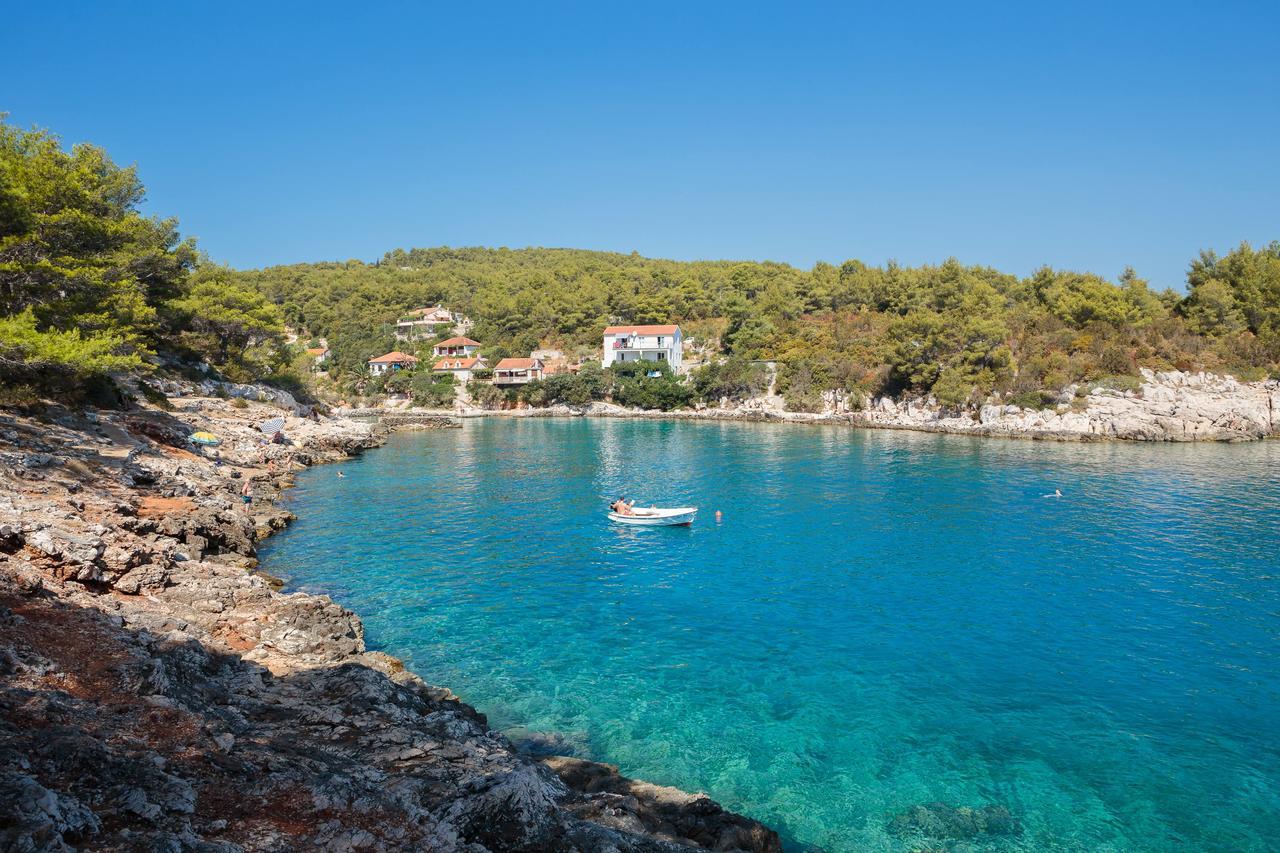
[945, 822]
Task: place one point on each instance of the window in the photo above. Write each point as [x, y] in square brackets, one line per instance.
[662, 356]
[659, 340]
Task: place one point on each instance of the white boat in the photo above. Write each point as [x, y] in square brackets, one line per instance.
[656, 517]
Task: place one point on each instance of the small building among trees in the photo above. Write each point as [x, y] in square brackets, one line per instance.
[464, 347]
[517, 371]
[461, 368]
[392, 362]
[643, 343]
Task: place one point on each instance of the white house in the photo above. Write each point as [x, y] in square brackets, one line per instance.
[461, 368]
[391, 362]
[643, 343]
[517, 371]
[423, 323]
[464, 347]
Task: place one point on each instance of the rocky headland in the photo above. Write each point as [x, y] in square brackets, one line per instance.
[1165, 406]
[159, 693]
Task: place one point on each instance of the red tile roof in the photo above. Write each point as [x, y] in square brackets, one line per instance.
[642, 330]
[317, 350]
[394, 357]
[517, 364]
[451, 363]
[459, 342]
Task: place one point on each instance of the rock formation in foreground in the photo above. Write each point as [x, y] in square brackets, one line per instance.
[157, 694]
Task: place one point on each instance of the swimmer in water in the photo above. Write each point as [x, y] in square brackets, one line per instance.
[1057, 493]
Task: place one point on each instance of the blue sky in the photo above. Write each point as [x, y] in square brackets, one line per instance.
[1086, 136]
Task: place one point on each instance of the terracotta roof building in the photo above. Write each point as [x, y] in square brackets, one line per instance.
[392, 361]
[517, 371]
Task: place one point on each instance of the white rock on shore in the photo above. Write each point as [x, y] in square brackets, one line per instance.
[1168, 406]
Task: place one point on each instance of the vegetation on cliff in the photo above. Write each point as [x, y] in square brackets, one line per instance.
[90, 286]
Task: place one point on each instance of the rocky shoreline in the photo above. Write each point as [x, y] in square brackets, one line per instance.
[1168, 406]
[160, 694]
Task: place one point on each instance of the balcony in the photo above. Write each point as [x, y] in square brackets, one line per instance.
[521, 378]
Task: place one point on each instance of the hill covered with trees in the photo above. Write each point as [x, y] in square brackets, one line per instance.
[958, 332]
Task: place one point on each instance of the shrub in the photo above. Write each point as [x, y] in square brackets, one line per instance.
[238, 403]
[633, 386]
[1250, 374]
[19, 396]
[155, 396]
[431, 389]
[486, 396]
[1115, 361]
[1117, 383]
[953, 387]
[808, 400]
[734, 378]
[1034, 400]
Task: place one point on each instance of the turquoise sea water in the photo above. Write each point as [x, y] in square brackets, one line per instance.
[881, 620]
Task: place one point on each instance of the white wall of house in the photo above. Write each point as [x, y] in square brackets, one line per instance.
[464, 350]
[377, 368]
[623, 346]
[462, 374]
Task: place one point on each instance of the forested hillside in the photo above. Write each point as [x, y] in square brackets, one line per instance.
[959, 332]
[90, 287]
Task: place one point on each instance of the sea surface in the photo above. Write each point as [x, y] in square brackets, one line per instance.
[880, 620]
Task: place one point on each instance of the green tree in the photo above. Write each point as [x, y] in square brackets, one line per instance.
[77, 256]
[1211, 309]
[232, 326]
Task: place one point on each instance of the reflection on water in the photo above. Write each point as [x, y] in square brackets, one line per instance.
[882, 619]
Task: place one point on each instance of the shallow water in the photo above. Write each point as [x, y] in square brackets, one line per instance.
[882, 619]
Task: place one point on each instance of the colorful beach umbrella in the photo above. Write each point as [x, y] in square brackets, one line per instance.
[272, 426]
[206, 438]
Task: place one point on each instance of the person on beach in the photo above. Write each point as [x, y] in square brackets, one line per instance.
[246, 494]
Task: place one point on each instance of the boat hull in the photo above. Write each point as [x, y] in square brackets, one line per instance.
[657, 517]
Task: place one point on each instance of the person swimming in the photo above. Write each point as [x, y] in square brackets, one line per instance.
[1057, 493]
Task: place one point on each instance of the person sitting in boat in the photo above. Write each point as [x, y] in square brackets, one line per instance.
[621, 507]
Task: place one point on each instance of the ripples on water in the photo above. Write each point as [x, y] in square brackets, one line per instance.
[883, 619]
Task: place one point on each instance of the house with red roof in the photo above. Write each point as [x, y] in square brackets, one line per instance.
[643, 343]
[517, 371]
[464, 347]
[392, 362]
[461, 368]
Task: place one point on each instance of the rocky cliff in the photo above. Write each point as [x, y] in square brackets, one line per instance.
[159, 694]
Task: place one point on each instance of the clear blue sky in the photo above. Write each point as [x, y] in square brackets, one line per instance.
[1086, 136]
